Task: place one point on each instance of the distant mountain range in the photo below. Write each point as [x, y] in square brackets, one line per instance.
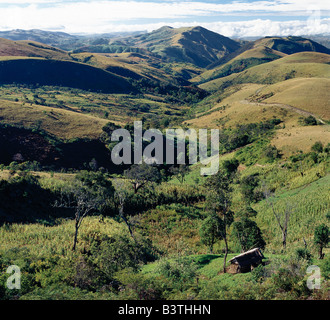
[144, 56]
[195, 45]
[61, 40]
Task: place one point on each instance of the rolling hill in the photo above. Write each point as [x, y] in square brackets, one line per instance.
[241, 62]
[31, 49]
[62, 40]
[127, 65]
[304, 64]
[61, 73]
[290, 45]
[59, 123]
[309, 94]
[249, 82]
[258, 52]
[288, 88]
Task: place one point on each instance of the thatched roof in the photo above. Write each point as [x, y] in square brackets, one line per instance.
[248, 258]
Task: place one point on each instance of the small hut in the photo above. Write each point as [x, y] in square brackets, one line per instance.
[245, 262]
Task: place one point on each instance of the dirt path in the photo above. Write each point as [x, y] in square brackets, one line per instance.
[283, 106]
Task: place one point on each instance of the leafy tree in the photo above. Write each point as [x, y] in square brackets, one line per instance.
[309, 121]
[321, 238]
[248, 185]
[180, 271]
[271, 153]
[230, 166]
[211, 230]
[142, 174]
[118, 252]
[248, 234]
[180, 172]
[304, 254]
[218, 200]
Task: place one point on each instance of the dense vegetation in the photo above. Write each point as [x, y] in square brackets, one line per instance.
[154, 242]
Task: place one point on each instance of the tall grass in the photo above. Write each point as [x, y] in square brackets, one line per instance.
[42, 240]
[310, 204]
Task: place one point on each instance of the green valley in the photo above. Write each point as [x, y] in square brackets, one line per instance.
[82, 227]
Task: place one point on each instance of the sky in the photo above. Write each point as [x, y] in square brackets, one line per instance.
[231, 18]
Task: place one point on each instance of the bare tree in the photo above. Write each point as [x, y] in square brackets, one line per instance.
[121, 195]
[282, 216]
[87, 194]
[82, 201]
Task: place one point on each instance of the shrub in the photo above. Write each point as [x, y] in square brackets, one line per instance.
[115, 253]
[304, 254]
[180, 271]
[317, 147]
[308, 121]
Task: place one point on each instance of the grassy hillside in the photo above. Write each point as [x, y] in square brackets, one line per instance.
[290, 101]
[306, 65]
[63, 124]
[291, 44]
[27, 48]
[47, 37]
[245, 60]
[61, 73]
[127, 65]
[309, 94]
[195, 45]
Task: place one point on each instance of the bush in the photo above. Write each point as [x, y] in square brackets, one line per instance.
[180, 271]
[317, 147]
[112, 254]
[137, 286]
[308, 121]
[304, 254]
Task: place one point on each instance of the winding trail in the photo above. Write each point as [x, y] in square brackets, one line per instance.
[283, 106]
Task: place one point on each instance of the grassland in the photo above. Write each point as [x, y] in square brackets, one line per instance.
[296, 139]
[233, 110]
[81, 106]
[63, 124]
[303, 65]
[309, 94]
[31, 49]
[62, 73]
[247, 59]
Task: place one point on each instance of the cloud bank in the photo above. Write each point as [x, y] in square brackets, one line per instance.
[236, 19]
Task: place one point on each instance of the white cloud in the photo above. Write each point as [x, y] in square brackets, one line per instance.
[241, 29]
[262, 27]
[16, 2]
[104, 16]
